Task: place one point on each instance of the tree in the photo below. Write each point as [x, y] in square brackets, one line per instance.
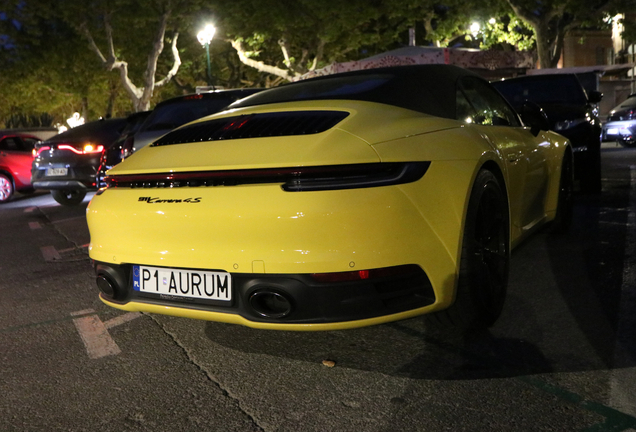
[552, 19]
[39, 76]
[287, 38]
[86, 23]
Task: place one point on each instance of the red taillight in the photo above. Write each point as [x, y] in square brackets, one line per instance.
[352, 276]
[86, 149]
[36, 152]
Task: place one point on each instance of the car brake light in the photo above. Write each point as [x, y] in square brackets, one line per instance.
[359, 275]
[36, 152]
[86, 149]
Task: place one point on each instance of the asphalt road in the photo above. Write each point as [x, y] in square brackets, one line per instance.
[561, 358]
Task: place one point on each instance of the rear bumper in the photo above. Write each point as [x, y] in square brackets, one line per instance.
[312, 305]
[60, 184]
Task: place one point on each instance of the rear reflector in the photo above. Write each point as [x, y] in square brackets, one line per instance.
[359, 275]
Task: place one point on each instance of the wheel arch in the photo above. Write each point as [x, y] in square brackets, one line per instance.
[7, 173]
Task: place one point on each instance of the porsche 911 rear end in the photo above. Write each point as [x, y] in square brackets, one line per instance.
[281, 218]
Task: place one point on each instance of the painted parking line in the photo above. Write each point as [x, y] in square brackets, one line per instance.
[29, 209]
[84, 246]
[122, 319]
[35, 225]
[68, 219]
[95, 336]
[94, 333]
[50, 253]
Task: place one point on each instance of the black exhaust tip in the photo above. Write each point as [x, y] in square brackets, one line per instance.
[105, 286]
[270, 304]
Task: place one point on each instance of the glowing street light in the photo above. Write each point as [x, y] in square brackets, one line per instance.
[474, 28]
[205, 37]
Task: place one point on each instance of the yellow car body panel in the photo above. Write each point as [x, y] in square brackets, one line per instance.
[260, 228]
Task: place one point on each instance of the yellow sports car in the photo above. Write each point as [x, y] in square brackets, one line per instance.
[337, 202]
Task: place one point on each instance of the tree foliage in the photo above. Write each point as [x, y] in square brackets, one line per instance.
[287, 38]
[552, 19]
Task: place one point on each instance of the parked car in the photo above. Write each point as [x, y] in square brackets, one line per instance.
[571, 112]
[67, 164]
[122, 147]
[148, 126]
[336, 202]
[621, 123]
[16, 156]
[180, 110]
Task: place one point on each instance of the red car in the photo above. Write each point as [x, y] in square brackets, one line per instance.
[16, 158]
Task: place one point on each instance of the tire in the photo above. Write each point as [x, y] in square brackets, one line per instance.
[484, 261]
[6, 188]
[591, 172]
[565, 204]
[68, 197]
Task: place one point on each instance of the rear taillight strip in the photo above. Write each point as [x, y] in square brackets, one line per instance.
[295, 179]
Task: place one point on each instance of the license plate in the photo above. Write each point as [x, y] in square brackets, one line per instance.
[612, 131]
[195, 284]
[56, 171]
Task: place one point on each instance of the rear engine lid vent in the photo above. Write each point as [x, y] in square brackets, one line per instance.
[255, 126]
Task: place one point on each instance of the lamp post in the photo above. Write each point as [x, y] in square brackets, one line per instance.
[205, 37]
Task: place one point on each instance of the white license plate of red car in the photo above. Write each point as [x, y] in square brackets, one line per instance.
[56, 172]
[196, 284]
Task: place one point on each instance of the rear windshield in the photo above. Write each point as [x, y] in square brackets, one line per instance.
[629, 103]
[553, 89]
[406, 91]
[174, 114]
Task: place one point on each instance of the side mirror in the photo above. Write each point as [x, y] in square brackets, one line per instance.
[534, 116]
[594, 96]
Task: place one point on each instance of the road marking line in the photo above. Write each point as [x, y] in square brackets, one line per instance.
[68, 219]
[623, 378]
[35, 225]
[83, 312]
[29, 209]
[50, 253]
[122, 319]
[74, 248]
[95, 336]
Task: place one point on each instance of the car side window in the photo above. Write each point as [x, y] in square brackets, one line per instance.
[488, 106]
[11, 144]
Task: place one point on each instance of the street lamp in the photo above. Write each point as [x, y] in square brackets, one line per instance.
[205, 37]
[474, 28]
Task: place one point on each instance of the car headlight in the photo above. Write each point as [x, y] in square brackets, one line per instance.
[567, 124]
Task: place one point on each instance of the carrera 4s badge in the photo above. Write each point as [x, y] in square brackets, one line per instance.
[157, 200]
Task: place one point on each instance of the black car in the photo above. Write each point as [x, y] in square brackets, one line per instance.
[621, 123]
[67, 164]
[148, 126]
[571, 112]
[122, 147]
[178, 111]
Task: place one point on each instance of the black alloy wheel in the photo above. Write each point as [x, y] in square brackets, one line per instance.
[68, 197]
[485, 258]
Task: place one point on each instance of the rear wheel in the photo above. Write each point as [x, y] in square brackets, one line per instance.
[485, 256]
[68, 197]
[590, 173]
[6, 188]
